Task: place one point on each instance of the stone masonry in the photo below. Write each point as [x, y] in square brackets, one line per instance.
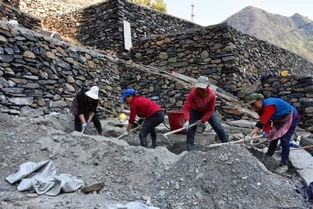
[298, 91]
[47, 8]
[9, 12]
[40, 75]
[230, 58]
[101, 25]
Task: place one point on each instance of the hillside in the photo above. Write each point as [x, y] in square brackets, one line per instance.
[275, 29]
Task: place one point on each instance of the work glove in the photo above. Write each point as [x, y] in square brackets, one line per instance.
[248, 138]
[265, 135]
[186, 125]
[203, 126]
[84, 126]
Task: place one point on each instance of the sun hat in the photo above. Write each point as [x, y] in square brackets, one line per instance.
[202, 82]
[127, 93]
[253, 98]
[93, 92]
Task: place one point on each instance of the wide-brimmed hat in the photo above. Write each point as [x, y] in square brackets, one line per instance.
[202, 82]
[93, 92]
[127, 93]
[253, 98]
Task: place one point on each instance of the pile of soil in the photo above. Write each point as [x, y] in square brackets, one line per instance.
[224, 177]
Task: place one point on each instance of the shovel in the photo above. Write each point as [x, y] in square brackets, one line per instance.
[178, 130]
[239, 141]
[121, 136]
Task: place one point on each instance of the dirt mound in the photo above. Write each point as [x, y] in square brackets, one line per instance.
[227, 177]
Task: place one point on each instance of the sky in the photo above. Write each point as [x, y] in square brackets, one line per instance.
[210, 12]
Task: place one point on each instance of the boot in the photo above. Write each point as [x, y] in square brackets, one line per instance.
[282, 169]
[154, 144]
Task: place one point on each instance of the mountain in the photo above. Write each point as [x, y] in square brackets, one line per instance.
[276, 29]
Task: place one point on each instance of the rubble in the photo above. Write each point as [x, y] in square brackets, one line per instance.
[224, 177]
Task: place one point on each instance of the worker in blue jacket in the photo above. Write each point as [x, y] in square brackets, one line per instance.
[278, 119]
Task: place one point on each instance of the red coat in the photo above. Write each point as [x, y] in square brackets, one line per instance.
[142, 107]
[200, 104]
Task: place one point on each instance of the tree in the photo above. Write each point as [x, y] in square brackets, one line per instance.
[154, 4]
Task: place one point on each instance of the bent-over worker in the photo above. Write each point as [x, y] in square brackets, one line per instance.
[84, 109]
[143, 108]
[278, 119]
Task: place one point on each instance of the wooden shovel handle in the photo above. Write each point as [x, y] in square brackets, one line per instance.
[180, 129]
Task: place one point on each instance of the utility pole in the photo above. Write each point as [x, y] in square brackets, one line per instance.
[192, 12]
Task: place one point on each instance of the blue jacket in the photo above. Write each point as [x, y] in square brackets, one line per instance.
[282, 107]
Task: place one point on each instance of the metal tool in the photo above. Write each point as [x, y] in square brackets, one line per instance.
[121, 136]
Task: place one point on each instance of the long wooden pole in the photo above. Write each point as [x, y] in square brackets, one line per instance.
[305, 147]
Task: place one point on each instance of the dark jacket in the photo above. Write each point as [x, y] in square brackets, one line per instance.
[81, 105]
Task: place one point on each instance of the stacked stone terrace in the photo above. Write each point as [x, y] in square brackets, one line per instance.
[227, 56]
[42, 74]
[46, 8]
[101, 25]
[10, 12]
[297, 90]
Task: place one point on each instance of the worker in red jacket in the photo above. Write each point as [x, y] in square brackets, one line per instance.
[144, 108]
[199, 106]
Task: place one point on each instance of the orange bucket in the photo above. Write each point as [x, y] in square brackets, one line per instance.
[176, 119]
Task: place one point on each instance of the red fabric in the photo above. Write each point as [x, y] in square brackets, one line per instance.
[142, 107]
[265, 116]
[200, 104]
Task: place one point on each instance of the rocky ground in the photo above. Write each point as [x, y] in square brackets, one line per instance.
[165, 177]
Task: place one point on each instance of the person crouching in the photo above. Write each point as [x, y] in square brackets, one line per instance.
[143, 108]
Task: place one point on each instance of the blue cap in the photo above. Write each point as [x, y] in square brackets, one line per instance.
[127, 93]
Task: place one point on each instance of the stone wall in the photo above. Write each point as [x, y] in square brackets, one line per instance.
[8, 12]
[14, 3]
[40, 75]
[193, 53]
[101, 25]
[254, 56]
[230, 58]
[298, 91]
[47, 8]
[169, 92]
